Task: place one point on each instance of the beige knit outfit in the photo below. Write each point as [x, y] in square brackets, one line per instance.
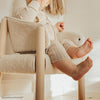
[31, 13]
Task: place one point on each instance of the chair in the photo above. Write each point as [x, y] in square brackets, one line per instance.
[26, 36]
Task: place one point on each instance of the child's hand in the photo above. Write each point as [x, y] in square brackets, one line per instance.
[60, 26]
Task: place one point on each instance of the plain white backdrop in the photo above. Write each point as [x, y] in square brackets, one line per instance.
[83, 16]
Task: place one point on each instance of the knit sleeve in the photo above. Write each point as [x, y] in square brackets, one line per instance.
[55, 29]
[27, 13]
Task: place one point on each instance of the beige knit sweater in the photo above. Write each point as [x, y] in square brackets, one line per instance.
[31, 13]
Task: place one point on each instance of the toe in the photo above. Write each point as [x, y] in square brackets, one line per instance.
[86, 42]
[90, 62]
[88, 58]
[90, 44]
[90, 41]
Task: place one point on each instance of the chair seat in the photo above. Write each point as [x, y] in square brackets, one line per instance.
[24, 63]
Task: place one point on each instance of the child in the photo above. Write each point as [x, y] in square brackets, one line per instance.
[58, 52]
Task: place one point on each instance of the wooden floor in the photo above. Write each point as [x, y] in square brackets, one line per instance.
[63, 97]
[69, 97]
[92, 93]
[72, 96]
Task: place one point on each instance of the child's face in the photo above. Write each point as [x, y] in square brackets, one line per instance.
[45, 3]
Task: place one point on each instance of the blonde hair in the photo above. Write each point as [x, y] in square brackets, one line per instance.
[56, 7]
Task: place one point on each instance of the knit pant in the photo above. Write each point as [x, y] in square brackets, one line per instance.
[57, 50]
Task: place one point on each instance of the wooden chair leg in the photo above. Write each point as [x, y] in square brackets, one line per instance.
[0, 85]
[40, 64]
[3, 38]
[81, 89]
[0, 79]
[1, 75]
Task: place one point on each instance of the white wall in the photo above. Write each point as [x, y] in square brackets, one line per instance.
[5, 8]
[82, 17]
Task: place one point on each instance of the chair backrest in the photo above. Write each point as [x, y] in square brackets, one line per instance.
[23, 35]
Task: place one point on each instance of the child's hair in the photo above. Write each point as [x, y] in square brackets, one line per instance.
[56, 7]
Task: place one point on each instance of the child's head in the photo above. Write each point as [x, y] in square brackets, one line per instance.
[55, 6]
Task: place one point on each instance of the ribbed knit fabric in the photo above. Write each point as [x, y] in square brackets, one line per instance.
[57, 52]
[67, 44]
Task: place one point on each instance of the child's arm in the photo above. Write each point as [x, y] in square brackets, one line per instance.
[60, 26]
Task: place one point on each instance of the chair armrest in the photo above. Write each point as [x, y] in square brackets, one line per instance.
[3, 36]
[40, 63]
[23, 37]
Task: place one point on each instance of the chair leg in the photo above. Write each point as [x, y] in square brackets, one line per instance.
[40, 64]
[0, 84]
[81, 89]
[0, 78]
[3, 38]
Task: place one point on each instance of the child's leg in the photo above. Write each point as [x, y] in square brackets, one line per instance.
[75, 71]
[77, 52]
[62, 61]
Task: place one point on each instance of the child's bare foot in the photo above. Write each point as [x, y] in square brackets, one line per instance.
[77, 52]
[82, 68]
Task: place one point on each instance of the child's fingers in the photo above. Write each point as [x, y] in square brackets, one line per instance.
[62, 26]
[60, 29]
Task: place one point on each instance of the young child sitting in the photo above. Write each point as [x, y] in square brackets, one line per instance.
[59, 53]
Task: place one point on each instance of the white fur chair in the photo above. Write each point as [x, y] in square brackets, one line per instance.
[25, 36]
